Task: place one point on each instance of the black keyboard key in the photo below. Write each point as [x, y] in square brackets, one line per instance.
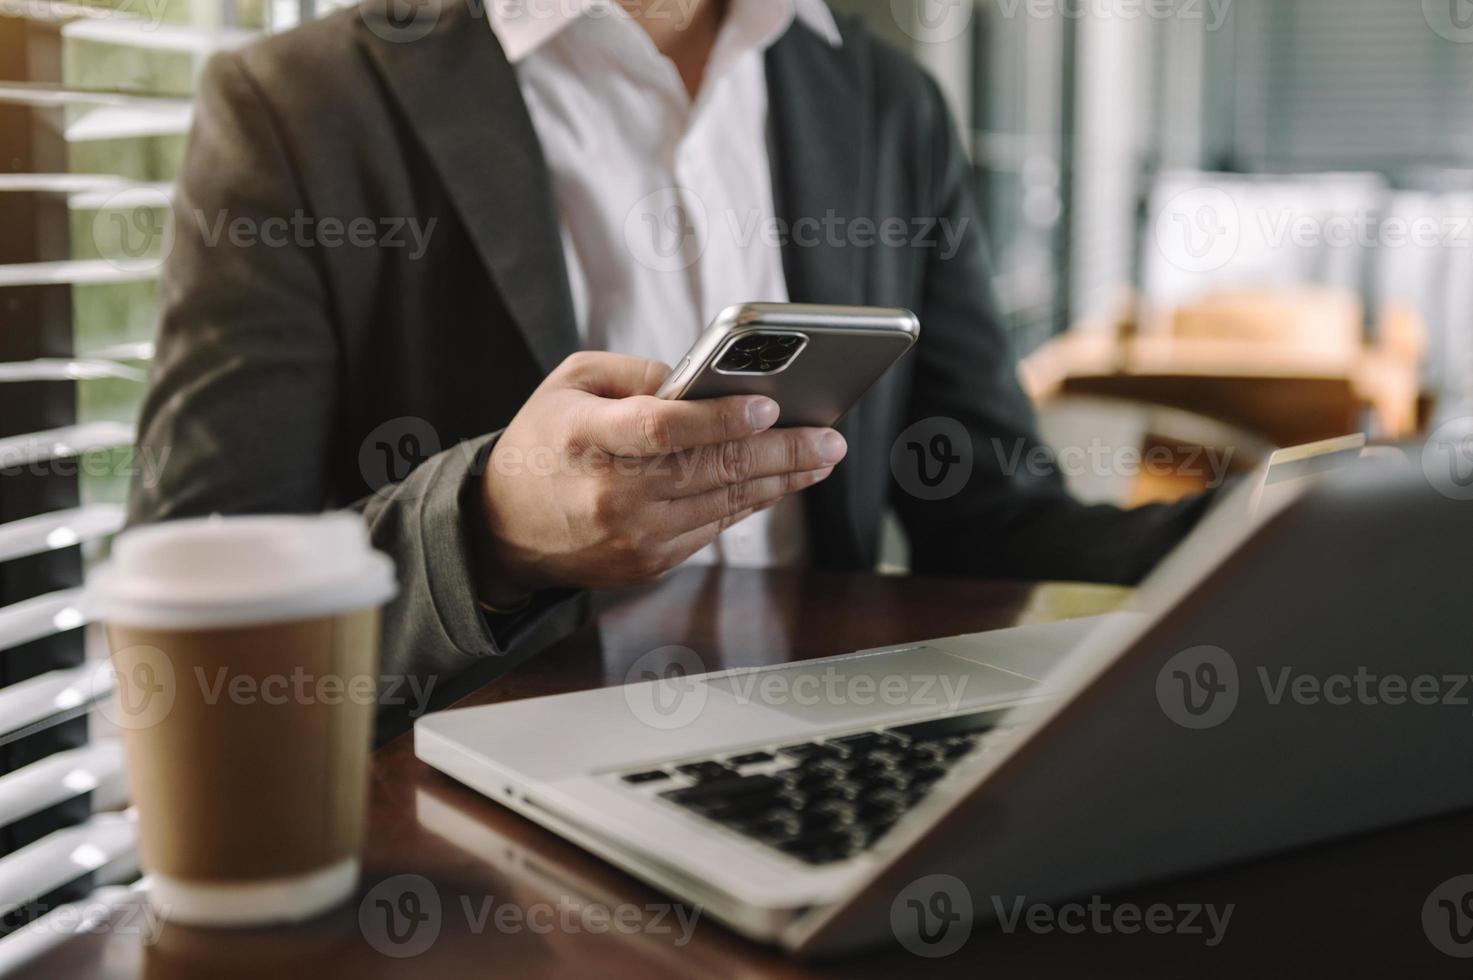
[808, 750]
[866, 777]
[740, 812]
[878, 782]
[927, 773]
[774, 830]
[646, 777]
[840, 808]
[805, 777]
[820, 822]
[888, 755]
[982, 721]
[873, 814]
[918, 752]
[721, 790]
[886, 781]
[835, 798]
[750, 759]
[863, 742]
[837, 767]
[823, 847]
[702, 771]
[957, 749]
[802, 799]
[918, 789]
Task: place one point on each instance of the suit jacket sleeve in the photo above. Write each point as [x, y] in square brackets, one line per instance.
[243, 402]
[1013, 518]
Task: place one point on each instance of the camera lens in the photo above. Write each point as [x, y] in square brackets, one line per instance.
[736, 360]
[760, 353]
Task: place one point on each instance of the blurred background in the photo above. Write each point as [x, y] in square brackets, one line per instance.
[1218, 225]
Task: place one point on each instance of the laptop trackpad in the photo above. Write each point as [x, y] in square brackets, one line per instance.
[864, 687]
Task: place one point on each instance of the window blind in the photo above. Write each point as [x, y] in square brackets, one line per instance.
[1346, 85]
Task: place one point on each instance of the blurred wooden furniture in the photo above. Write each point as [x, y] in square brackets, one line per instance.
[1288, 365]
[1131, 453]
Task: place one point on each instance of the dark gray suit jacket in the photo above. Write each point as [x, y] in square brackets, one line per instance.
[293, 366]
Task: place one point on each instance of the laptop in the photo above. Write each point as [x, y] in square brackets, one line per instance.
[1207, 725]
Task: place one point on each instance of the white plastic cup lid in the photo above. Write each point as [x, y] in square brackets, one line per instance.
[237, 571]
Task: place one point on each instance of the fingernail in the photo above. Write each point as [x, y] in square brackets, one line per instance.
[762, 413]
[832, 448]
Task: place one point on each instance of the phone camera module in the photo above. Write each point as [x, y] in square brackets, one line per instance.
[760, 353]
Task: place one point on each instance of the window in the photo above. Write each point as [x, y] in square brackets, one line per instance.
[94, 109]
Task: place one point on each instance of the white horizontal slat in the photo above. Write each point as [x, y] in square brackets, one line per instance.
[136, 32]
[59, 12]
[116, 123]
[104, 844]
[41, 935]
[43, 96]
[62, 183]
[77, 272]
[30, 448]
[45, 615]
[51, 698]
[58, 529]
[96, 768]
[62, 369]
[150, 194]
[137, 351]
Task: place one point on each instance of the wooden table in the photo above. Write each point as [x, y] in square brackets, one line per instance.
[1346, 909]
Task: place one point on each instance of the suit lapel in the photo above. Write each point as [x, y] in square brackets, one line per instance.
[818, 139]
[819, 146]
[461, 97]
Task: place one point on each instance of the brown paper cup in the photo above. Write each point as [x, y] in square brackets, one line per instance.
[247, 753]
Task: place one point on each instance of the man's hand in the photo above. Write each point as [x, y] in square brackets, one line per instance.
[598, 484]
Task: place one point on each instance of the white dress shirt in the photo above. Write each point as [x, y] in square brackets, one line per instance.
[665, 201]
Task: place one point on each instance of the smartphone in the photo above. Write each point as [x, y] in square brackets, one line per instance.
[814, 361]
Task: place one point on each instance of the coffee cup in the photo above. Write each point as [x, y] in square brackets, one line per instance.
[244, 665]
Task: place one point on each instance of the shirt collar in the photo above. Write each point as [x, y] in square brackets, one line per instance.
[523, 26]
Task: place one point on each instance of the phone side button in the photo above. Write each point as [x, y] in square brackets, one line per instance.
[669, 387]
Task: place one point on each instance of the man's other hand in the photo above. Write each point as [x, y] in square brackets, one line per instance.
[596, 483]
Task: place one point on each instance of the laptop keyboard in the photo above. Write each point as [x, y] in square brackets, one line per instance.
[821, 801]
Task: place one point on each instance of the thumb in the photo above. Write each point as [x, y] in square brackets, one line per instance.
[610, 375]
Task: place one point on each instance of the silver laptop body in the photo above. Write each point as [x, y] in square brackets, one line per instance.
[1058, 761]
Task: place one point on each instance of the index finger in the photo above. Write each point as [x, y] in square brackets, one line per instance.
[609, 375]
[645, 426]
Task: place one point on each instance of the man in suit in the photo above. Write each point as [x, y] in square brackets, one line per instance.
[587, 184]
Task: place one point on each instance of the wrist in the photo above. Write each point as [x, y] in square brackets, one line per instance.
[500, 584]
